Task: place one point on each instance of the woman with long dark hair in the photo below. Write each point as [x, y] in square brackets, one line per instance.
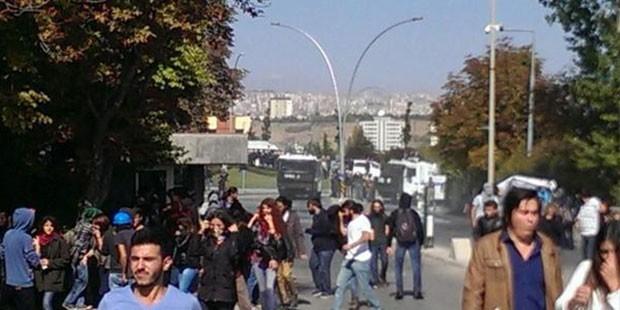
[379, 243]
[601, 289]
[220, 254]
[55, 257]
[270, 249]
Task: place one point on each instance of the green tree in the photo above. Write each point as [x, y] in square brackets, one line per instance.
[358, 146]
[313, 148]
[594, 36]
[88, 86]
[266, 129]
[327, 149]
[460, 117]
[407, 129]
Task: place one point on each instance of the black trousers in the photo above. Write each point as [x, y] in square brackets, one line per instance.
[217, 305]
[20, 298]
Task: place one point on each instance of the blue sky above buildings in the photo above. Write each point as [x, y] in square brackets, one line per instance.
[416, 57]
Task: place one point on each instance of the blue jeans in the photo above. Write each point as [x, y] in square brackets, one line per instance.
[320, 266]
[251, 284]
[416, 266]
[115, 280]
[589, 245]
[378, 252]
[266, 279]
[183, 279]
[48, 301]
[75, 296]
[353, 271]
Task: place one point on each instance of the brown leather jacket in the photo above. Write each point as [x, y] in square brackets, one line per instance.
[488, 282]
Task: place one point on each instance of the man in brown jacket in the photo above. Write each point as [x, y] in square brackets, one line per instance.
[515, 268]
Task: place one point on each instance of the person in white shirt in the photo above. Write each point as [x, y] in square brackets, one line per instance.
[356, 265]
[601, 288]
[589, 222]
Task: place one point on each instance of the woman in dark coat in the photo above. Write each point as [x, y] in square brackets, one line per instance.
[219, 259]
[55, 257]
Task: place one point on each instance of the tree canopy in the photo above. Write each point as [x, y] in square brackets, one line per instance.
[87, 86]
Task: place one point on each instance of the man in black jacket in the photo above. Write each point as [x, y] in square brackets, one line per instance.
[324, 245]
[490, 222]
[406, 227]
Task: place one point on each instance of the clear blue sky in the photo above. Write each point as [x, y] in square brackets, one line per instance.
[415, 57]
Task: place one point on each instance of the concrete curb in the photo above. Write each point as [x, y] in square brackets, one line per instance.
[442, 254]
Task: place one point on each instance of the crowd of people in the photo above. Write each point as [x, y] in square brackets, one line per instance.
[221, 258]
[180, 256]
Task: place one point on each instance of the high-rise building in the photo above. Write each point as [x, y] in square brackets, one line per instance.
[280, 107]
[384, 133]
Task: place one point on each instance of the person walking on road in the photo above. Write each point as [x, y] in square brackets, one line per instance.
[324, 245]
[517, 267]
[356, 265]
[378, 244]
[588, 223]
[406, 227]
[20, 259]
[295, 235]
[54, 253]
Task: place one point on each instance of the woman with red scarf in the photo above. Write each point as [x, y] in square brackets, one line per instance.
[270, 248]
[55, 258]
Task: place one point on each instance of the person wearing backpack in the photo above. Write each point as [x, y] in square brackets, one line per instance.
[406, 228]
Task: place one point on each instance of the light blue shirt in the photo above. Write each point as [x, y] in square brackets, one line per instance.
[123, 298]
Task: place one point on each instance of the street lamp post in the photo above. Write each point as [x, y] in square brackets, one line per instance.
[334, 83]
[532, 82]
[237, 59]
[492, 28]
[359, 60]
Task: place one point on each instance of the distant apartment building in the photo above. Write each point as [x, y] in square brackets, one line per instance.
[280, 107]
[384, 133]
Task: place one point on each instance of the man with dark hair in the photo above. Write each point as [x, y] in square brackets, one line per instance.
[356, 265]
[150, 257]
[490, 222]
[406, 227]
[295, 236]
[324, 244]
[517, 267]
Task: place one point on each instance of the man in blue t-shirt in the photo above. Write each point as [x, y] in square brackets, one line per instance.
[150, 257]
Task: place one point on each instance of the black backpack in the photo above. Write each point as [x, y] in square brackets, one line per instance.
[405, 226]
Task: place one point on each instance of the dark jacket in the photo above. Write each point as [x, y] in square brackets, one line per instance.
[486, 226]
[219, 263]
[273, 249]
[53, 278]
[404, 205]
[323, 232]
[553, 228]
[187, 252]
[295, 234]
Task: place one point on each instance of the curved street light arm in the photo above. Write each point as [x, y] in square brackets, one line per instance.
[359, 60]
[334, 83]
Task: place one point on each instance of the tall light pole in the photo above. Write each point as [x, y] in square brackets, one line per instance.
[334, 83]
[359, 60]
[492, 28]
[532, 82]
[237, 60]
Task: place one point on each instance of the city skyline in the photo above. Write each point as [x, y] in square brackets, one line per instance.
[416, 57]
